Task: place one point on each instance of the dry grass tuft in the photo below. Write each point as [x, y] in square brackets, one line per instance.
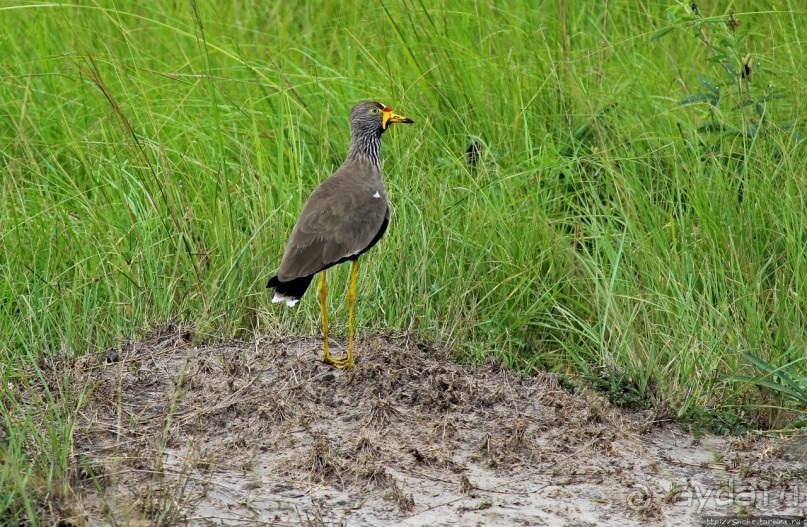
[323, 465]
[382, 414]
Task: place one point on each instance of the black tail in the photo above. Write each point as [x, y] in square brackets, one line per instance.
[293, 288]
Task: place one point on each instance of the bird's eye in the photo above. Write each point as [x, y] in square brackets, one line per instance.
[374, 111]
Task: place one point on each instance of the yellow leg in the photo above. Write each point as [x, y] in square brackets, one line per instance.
[323, 304]
[346, 361]
[351, 300]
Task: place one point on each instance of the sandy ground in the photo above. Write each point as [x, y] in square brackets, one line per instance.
[263, 433]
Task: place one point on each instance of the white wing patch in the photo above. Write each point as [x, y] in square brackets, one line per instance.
[376, 195]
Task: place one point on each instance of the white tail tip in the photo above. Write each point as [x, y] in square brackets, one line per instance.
[290, 302]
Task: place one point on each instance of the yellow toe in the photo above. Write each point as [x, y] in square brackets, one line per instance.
[343, 363]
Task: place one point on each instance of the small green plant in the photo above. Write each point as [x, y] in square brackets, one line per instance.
[623, 390]
[787, 382]
[729, 89]
[701, 420]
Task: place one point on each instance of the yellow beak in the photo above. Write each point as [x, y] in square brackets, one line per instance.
[387, 117]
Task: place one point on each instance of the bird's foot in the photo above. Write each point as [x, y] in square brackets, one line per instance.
[344, 362]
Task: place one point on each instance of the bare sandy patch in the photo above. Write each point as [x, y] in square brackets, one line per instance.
[263, 433]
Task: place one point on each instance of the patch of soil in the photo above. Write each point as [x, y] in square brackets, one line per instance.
[264, 433]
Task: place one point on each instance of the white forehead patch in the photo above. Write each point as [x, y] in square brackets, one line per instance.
[376, 195]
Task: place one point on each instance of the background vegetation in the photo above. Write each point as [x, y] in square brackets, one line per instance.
[636, 218]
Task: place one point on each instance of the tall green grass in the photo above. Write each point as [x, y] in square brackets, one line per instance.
[153, 158]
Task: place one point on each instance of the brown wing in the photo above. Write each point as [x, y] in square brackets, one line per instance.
[340, 219]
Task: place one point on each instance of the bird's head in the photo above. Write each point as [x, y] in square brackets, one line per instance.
[368, 118]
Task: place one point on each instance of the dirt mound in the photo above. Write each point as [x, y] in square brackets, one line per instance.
[263, 433]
